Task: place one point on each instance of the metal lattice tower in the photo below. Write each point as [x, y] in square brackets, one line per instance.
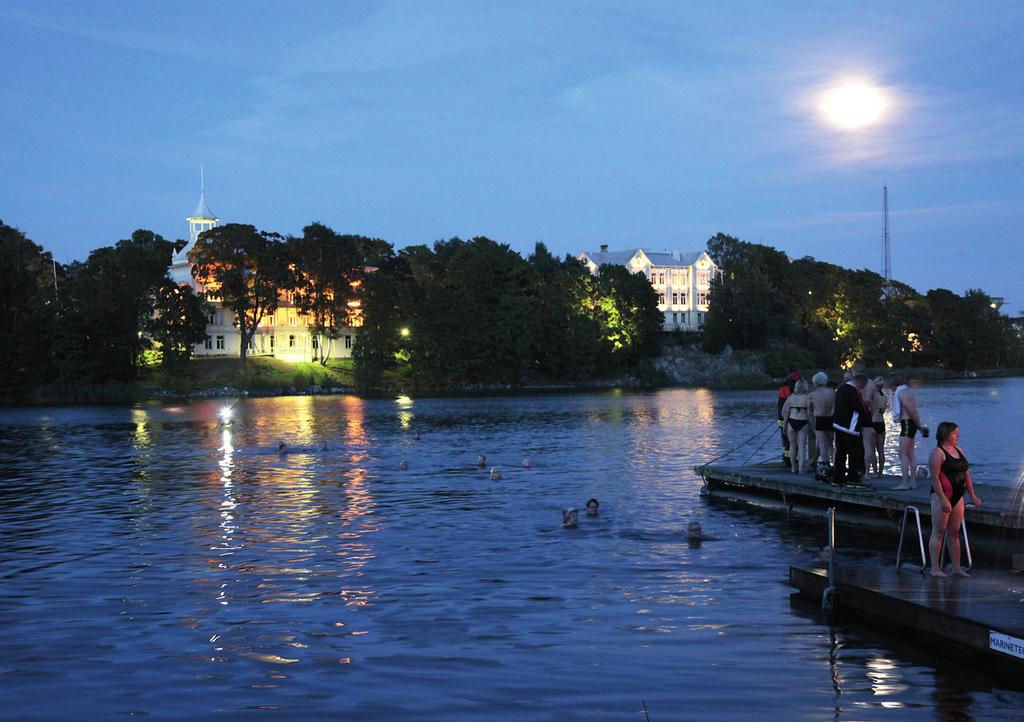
[886, 248]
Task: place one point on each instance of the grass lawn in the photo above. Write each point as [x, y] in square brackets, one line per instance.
[259, 372]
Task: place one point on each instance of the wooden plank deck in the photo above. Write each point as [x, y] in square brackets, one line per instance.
[1002, 509]
[983, 615]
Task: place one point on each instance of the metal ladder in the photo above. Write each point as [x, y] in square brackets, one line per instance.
[920, 540]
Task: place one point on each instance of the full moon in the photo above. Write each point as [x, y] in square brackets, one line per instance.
[853, 106]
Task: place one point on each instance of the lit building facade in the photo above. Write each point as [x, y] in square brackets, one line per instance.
[286, 334]
[681, 280]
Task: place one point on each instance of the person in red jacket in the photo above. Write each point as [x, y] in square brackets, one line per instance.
[784, 393]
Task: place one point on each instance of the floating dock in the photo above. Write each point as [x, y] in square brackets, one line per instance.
[996, 527]
[981, 617]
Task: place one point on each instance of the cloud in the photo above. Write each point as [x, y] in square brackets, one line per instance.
[128, 33]
[397, 35]
[840, 218]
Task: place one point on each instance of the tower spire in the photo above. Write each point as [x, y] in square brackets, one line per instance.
[203, 218]
[886, 247]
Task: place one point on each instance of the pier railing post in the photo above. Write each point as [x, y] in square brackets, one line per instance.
[828, 596]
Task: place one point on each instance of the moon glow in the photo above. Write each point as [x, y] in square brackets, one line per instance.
[853, 106]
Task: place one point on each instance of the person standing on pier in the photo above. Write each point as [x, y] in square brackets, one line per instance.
[795, 414]
[874, 430]
[784, 392]
[822, 402]
[951, 479]
[904, 412]
[850, 417]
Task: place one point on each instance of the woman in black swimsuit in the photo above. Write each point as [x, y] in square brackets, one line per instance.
[795, 416]
[951, 479]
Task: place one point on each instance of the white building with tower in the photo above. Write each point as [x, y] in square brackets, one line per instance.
[286, 334]
[682, 280]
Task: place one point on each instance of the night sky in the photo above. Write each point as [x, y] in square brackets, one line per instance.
[573, 123]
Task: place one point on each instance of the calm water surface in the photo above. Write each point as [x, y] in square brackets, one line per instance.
[156, 562]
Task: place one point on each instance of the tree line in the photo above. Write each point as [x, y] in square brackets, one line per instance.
[459, 312]
[811, 313]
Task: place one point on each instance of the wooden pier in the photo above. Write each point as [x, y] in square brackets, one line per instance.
[982, 617]
[996, 527]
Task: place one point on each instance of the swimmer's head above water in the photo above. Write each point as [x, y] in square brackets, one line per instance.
[570, 518]
[592, 507]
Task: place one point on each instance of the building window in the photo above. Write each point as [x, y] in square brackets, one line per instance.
[211, 319]
[220, 343]
[675, 299]
[661, 298]
[208, 343]
[271, 343]
[703, 278]
[316, 345]
[293, 321]
[348, 342]
[702, 298]
[291, 340]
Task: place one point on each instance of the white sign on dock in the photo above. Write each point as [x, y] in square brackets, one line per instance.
[1006, 644]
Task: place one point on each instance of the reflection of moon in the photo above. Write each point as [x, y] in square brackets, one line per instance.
[853, 106]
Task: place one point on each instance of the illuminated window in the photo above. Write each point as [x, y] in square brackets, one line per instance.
[702, 298]
[348, 342]
[661, 298]
[703, 278]
[675, 299]
[293, 321]
[220, 343]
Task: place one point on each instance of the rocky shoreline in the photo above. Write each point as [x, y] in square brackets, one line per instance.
[677, 366]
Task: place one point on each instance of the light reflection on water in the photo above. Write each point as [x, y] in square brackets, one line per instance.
[160, 559]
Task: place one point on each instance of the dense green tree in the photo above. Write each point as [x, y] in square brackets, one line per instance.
[329, 268]
[569, 344]
[178, 322]
[110, 301]
[473, 319]
[746, 312]
[755, 302]
[387, 309]
[28, 312]
[629, 315]
[247, 269]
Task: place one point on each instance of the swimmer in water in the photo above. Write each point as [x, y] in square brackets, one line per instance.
[592, 507]
[281, 448]
[481, 461]
[695, 535]
[526, 462]
[570, 518]
[495, 474]
[404, 466]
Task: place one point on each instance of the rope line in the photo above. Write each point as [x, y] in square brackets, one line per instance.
[772, 425]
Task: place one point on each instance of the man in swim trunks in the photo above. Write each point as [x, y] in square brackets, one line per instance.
[904, 412]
